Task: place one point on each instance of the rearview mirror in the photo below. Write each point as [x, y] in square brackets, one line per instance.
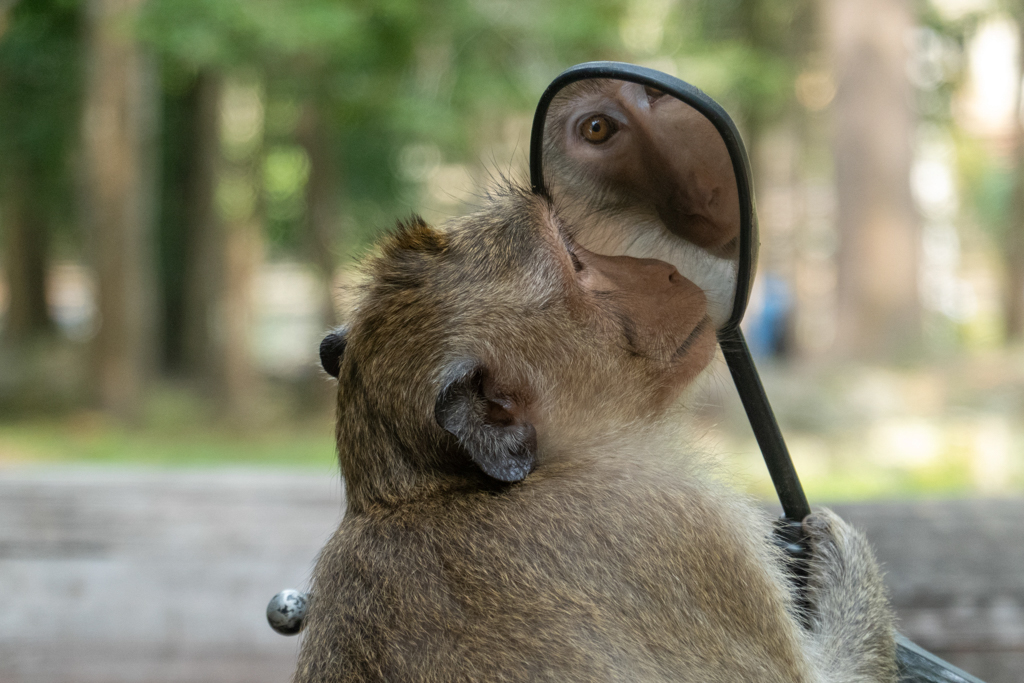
[640, 163]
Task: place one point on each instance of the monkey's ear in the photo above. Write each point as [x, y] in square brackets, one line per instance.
[489, 426]
[331, 350]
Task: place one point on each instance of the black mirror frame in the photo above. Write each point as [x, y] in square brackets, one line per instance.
[711, 110]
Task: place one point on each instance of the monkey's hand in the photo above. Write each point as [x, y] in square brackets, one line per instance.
[849, 615]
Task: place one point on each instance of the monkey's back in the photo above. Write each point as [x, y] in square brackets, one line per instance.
[572, 576]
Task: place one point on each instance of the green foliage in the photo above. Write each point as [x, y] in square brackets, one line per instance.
[745, 52]
[226, 33]
[382, 74]
[285, 172]
[389, 73]
[40, 95]
[988, 188]
[734, 72]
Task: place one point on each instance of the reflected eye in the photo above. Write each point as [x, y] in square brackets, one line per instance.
[597, 129]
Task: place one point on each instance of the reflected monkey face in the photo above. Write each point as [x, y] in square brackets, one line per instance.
[637, 147]
[638, 172]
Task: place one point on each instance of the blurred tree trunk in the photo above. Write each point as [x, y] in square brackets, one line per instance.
[239, 206]
[238, 381]
[119, 140]
[203, 233]
[879, 309]
[322, 213]
[40, 110]
[212, 235]
[189, 230]
[25, 252]
[175, 151]
[1013, 247]
[1013, 253]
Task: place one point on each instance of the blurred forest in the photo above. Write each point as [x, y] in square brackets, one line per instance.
[184, 185]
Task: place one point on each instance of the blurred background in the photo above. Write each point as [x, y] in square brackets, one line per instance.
[185, 186]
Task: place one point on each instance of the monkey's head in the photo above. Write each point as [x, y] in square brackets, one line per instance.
[482, 351]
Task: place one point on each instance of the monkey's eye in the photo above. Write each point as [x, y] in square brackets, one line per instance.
[598, 128]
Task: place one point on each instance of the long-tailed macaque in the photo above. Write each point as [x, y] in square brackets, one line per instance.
[519, 507]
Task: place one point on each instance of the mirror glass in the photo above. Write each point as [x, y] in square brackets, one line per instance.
[634, 170]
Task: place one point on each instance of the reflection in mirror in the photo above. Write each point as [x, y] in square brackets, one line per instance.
[635, 171]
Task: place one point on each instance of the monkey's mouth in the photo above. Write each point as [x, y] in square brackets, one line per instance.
[694, 335]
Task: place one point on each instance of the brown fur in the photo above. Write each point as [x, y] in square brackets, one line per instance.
[616, 558]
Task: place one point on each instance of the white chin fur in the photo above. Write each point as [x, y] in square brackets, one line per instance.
[649, 239]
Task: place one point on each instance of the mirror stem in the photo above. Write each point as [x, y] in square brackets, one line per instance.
[762, 421]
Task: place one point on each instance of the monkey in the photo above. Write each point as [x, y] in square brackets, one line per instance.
[518, 505]
[619, 154]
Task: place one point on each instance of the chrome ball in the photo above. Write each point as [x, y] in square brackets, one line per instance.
[286, 611]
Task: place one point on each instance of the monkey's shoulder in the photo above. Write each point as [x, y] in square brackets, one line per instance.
[544, 564]
[582, 524]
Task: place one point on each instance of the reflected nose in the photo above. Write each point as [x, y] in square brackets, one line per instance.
[638, 273]
[660, 270]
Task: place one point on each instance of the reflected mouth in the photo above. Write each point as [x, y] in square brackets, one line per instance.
[699, 330]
